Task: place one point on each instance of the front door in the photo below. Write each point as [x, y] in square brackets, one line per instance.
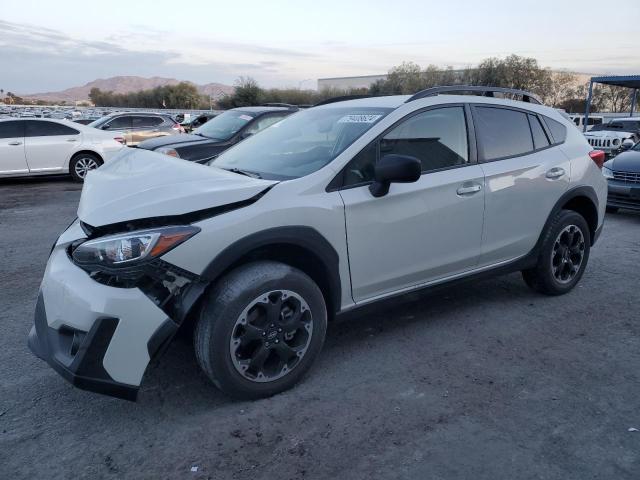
[419, 232]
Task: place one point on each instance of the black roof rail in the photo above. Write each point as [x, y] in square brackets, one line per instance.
[343, 98]
[476, 89]
[278, 104]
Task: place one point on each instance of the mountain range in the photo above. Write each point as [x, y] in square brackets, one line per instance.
[124, 84]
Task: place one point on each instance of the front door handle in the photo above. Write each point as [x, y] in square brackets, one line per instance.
[469, 188]
[15, 143]
[71, 140]
[555, 172]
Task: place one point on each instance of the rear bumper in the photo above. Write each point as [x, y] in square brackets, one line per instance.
[623, 195]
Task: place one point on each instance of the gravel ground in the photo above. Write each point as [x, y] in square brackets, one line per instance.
[487, 380]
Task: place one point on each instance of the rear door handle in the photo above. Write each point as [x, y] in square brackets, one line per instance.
[71, 140]
[555, 172]
[15, 143]
[469, 189]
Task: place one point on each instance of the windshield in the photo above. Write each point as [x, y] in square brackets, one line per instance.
[225, 125]
[302, 143]
[636, 147]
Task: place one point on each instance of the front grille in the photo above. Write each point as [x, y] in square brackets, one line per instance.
[627, 176]
[599, 142]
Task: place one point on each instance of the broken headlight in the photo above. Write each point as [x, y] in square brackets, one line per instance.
[133, 248]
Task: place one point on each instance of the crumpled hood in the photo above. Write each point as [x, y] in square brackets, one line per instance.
[141, 184]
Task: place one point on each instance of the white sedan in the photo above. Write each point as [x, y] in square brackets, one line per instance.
[48, 146]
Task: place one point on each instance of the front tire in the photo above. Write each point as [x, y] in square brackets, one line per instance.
[563, 255]
[260, 329]
[83, 163]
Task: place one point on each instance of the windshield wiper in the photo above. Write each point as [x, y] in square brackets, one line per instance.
[239, 171]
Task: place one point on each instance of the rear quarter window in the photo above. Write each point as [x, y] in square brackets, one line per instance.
[558, 130]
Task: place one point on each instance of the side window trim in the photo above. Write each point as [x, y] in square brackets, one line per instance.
[337, 182]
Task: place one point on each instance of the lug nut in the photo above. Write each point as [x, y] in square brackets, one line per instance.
[277, 341]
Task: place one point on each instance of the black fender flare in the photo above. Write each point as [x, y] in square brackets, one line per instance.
[301, 236]
[575, 192]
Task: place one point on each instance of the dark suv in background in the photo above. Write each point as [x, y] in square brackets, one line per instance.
[134, 128]
[220, 133]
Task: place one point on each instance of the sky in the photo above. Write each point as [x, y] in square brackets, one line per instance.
[52, 45]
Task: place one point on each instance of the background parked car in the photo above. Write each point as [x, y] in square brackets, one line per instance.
[623, 176]
[591, 122]
[610, 136]
[137, 127]
[220, 133]
[47, 146]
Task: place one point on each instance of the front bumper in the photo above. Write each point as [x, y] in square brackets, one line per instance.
[100, 338]
[623, 195]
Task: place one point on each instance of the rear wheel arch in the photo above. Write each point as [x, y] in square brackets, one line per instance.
[582, 200]
[85, 152]
[79, 154]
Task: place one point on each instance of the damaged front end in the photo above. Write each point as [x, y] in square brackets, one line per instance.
[102, 317]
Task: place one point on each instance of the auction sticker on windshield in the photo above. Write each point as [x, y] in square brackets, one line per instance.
[245, 117]
[359, 118]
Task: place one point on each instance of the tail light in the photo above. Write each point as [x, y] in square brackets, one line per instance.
[119, 140]
[598, 156]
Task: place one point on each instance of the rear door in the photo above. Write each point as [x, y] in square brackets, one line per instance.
[49, 145]
[144, 127]
[121, 126]
[422, 231]
[525, 175]
[12, 157]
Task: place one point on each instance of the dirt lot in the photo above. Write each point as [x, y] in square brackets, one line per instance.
[483, 381]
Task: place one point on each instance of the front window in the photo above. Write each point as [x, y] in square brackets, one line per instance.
[225, 125]
[301, 143]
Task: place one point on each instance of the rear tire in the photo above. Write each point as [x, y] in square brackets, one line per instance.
[563, 255]
[83, 163]
[612, 209]
[260, 329]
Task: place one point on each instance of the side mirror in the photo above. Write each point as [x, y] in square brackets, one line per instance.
[394, 169]
[245, 135]
[105, 127]
[627, 144]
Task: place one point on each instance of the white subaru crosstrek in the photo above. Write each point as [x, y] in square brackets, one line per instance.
[335, 207]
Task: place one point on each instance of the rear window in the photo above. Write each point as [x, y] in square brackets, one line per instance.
[558, 130]
[502, 132]
[145, 121]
